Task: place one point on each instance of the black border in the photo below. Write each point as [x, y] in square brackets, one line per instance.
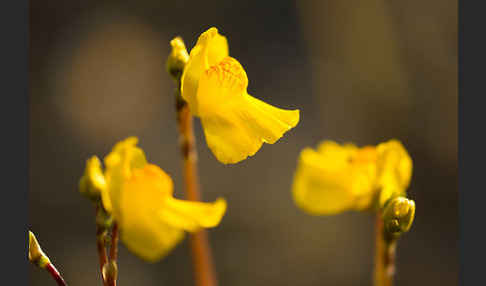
[14, 116]
[472, 190]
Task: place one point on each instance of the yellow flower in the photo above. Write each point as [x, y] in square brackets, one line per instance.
[215, 86]
[336, 178]
[140, 197]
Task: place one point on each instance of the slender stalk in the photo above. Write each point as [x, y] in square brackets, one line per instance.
[100, 244]
[55, 274]
[385, 250]
[111, 279]
[101, 251]
[204, 271]
[114, 242]
[110, 273]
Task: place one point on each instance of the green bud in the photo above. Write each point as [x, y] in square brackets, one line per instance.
[36, 255]
[178, 58]
[398, 216]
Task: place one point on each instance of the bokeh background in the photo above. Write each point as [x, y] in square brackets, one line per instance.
[361, 71]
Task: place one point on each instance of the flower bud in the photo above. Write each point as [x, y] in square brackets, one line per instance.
[178, 58]
[36, 255]
[398, 216]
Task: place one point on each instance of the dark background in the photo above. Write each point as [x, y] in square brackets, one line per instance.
[361, 71]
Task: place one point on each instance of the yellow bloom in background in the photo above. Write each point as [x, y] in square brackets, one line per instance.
[395, 169]
[336, 178]
[215, 86]
[139, 195]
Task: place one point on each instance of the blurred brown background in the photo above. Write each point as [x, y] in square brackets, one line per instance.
[362, 71]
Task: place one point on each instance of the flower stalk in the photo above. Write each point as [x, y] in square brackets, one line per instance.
[201, 252]
[55, 274]
[204, 271]
[385, 249]
[101, 233]
[114, 242]
[112, 272]
[108, 264]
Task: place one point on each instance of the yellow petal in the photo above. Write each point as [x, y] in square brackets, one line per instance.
[216, 46]
[192, 216]
[120, 163]
[142, 197]
[151, 240]
[318, 192]
[95, 174]
[235, 123]
[92, 184]
[334, 179]
[126, 152]
[335, 156]
[394, 169]
[209, 50]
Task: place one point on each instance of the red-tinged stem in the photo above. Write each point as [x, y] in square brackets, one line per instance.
[100, 244]
[114, 243]
[111, 278]
[55, 274]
